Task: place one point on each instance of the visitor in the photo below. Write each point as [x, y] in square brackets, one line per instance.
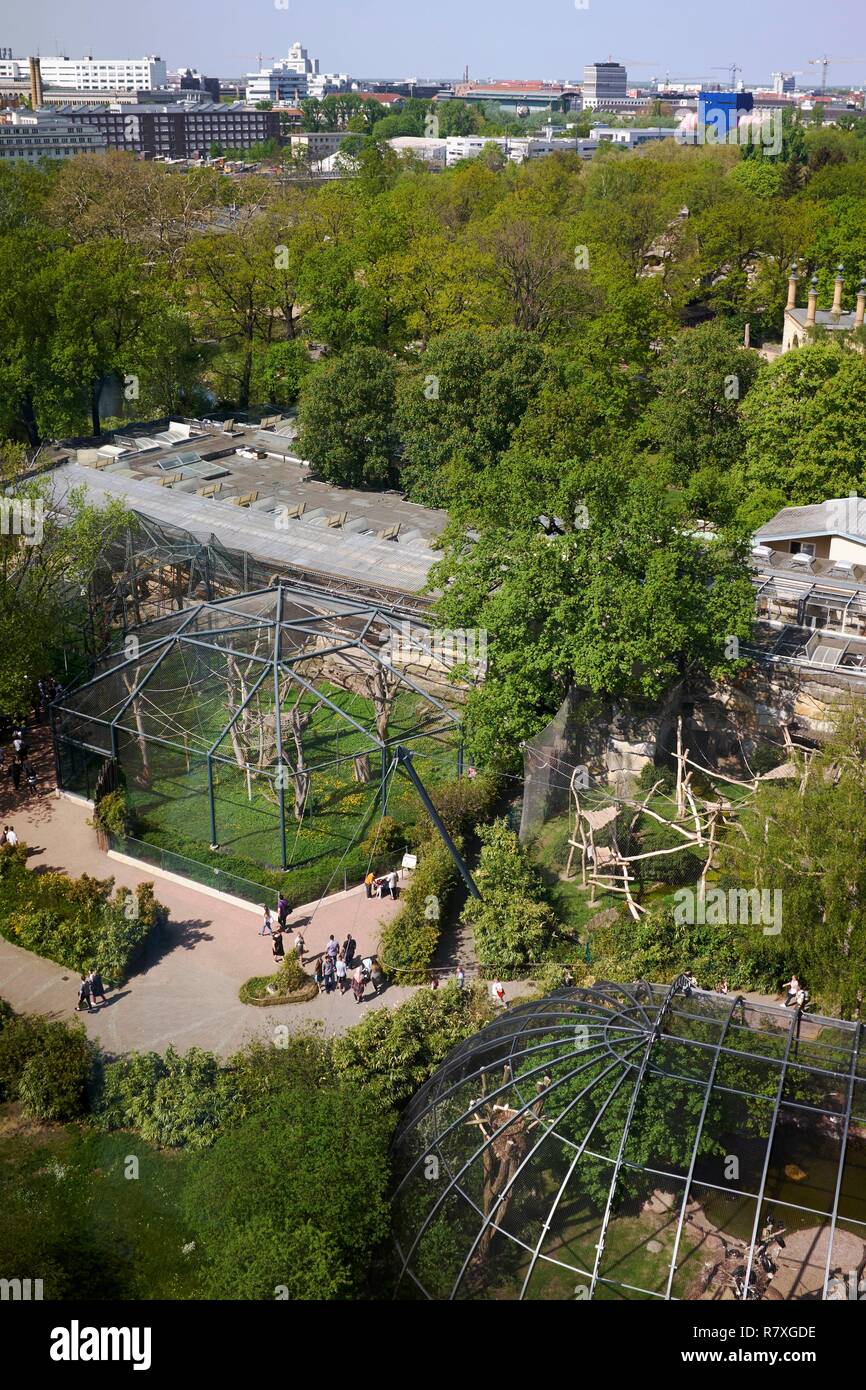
[359, 983]
[722, 988]
[460, 977]
[377, 979]
[368, 883]
[340, 967]
[11, 837]
[568, 976]
[319, 975]
[84, 995]
[266, 928]
[383, 884]
[689, 983]
[497, 993]
[332, 950]
[392, 883]
[16, 774]
[3, 836]
[434, 980]
[349, 950]
[31, 777]
[300, 947]
[793, 988]
[328, 973]
[283, 910]
[278, 948]
[20, 745]
[97, 988]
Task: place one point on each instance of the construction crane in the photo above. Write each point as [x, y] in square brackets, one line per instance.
[258, 56]
[823, 64]
[733, 69]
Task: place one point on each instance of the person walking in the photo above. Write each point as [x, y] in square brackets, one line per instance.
[3, 836]
[279, 950]
[332, 950]
[793, 988]
[284, 907]
[460, 977]
[266, 929]
[328, 972]
[84, 995]
[340, 968]
[359, 983]
[11, 837]
[300, 947]
[377, 979]
[497, 993]
[16, 774]
[349, 950]
[319, 975]
[31, 777]
[392, 884]
[368, 883]
[97, 988]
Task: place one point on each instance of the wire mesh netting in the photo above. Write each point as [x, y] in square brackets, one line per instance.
[637, 1141]
[266, 723]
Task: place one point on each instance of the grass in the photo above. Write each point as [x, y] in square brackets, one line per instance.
[93, 1216]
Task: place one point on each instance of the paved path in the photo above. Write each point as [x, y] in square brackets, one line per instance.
[186, 990]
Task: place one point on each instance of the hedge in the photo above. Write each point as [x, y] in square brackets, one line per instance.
[46, 1066]
[77, 922]
[408, 942]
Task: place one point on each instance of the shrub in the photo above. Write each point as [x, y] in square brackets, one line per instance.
[171, 1100]
[46, 1066]
[408, 942]
[386, 836]
[514, 924]
[650, 774]
[113, 814]
[291, 981]
[676, 869]
[390, 1053]
[55, 1077]
[463, 805]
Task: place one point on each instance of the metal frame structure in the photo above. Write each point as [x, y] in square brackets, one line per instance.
[280, 635]
[492, 1146]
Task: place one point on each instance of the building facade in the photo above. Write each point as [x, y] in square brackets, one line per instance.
[800, 323]
[30, 136]
[605, 86]
[93, 74]
[178, 131]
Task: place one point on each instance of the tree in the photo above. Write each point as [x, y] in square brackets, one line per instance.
[323, 1155]
[626, 602]
[701, 379]
[347, 418]
[458, 409]
[804, 423]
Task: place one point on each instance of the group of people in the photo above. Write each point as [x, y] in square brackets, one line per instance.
[267, 928]
[8, 836]
[386, 886]
[795, 995]
[333, 967]
[91, 989]
[20, 768]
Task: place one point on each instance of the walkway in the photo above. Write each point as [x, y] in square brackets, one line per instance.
[185, 992]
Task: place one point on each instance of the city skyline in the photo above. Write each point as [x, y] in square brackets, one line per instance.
[495, 38]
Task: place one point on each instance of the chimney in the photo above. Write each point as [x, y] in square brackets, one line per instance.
[861, 304]
[35, 83]
[792, 288]
[813, 302]
[837, 292]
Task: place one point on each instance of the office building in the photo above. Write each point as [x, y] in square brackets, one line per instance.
[178, 130]
[605, 86]
[34, 135]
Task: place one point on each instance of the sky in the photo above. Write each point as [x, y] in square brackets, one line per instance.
[437, 38]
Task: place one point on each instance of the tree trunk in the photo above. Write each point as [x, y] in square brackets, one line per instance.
[94, 407]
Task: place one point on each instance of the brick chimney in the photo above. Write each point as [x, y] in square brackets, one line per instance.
[813, 302]
[35, 83]
[861, 304]
[792, 288]
[837, 291]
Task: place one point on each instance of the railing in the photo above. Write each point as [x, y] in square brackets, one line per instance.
[301, 885]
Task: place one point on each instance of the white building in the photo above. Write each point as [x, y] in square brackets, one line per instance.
[291, 79]
[35, 135]
[100, 74]
[605, 85]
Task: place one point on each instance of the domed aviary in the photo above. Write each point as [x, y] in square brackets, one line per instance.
[637, 1141]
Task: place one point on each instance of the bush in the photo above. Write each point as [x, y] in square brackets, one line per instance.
[386, 836]
[171, 1100]
[514, 924]
[408, 942]
[390, 1053]
[675, 869]
[113, 814]
[290, 983]
[462, 805]
[77, 921]
[650, 774]
[46, 1066]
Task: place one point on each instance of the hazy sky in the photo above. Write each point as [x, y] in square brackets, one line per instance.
[505, 38]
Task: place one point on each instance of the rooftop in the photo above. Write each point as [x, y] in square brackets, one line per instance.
[245, 485]
[838, 516]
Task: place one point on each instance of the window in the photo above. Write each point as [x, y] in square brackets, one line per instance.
[803, 548]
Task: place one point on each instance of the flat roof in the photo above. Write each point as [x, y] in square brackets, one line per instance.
[290, 518]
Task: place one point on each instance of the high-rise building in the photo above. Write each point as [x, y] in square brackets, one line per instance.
[98, 74]
[605, 85]
[784, 82]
